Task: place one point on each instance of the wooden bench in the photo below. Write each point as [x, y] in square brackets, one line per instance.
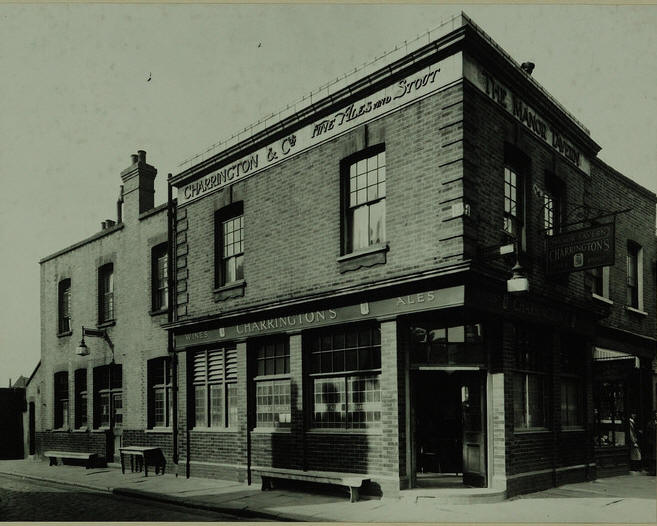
[141, 456]
[89, 458]
[352, 480]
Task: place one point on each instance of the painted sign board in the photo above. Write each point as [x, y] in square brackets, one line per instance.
[579, 250]
[427, 300]
[393, 97]
[514, 104]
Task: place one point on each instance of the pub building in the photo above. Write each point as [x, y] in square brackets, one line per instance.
[427, 279]
[427, 276]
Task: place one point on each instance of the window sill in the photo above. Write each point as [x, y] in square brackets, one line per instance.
[214, 430]
[61, 430]
[158, 430]
[80, 430]
[101, 430]
[108, 323]
[234, 289]
[573, 429]
[636, 311]
[271, 430]
[531, 431]
[265, 377]
[158, 312]
[322, 431]
[601, 298]
[64, 334]
[366, 257]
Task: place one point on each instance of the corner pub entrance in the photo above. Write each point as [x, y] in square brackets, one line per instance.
[448, 405]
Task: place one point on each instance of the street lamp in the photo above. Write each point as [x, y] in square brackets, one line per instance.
[83, 350]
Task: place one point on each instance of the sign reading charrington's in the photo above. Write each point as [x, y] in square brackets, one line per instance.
[524, 113]
[384, 101]
[586, 248]
[419, 301]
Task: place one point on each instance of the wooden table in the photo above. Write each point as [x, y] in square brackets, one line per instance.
[140, 455]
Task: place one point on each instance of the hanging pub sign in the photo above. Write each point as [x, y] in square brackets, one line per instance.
[580, 250]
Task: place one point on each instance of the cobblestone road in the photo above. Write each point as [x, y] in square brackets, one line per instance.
[27, 500]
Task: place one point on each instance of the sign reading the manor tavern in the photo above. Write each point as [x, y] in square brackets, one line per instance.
[586, 248]
[384, 101]
[432, 299]
[514, 105]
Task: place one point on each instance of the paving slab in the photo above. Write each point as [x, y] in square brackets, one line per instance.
[624, 499]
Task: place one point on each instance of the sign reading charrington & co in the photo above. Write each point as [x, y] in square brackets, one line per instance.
[403, 92]
[586, 248]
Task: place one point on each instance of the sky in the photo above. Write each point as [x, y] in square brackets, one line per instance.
[75, 100]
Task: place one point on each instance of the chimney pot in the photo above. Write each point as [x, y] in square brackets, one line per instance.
[528, 67]
[103, 225]
[142, 156]
[134, 157]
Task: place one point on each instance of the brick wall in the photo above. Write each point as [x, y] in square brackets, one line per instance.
[292, 212]
[136, 334]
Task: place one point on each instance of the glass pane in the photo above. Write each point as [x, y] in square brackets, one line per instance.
[199, 406]
[362, 166]
[216, 406]
[381, 158]
[359, 228]
[519, 401]
[362, 196]
[232, 405]
[239, 267]
[351, 360]
[456, 334]
[371, 163]
[382, 189]
[329, 402]
[362, 181]
[377, 222]
[371, 178]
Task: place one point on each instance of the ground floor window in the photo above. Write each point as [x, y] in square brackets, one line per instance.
[61, 400]
[610, 419]
[160, 404]
[573, 366]
[108, 396]
[80, 398]
[345, 370]
[530, 379]
[214, 381]
[272, 383]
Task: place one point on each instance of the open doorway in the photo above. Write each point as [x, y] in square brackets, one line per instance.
[449, 431]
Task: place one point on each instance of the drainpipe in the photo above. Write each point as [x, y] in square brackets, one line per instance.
[170, 317]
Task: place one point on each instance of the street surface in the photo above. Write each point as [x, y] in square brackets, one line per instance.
[27, 500]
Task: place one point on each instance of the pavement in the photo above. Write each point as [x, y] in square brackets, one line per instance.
[624, 499]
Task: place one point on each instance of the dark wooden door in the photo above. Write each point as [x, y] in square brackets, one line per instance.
[32, 428]
[473, 407]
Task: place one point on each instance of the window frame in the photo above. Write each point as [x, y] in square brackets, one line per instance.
[634, 264]
[532, 349]
[226, 387]
[61, 401]
[159, 281]
[81, 399]
[553, 204]
[572, 364]
[274, 379]
[347, 243]
[106, 306]
[164, 387]
[225, 214]
[105, 388]
[64, 322]
[346, 377]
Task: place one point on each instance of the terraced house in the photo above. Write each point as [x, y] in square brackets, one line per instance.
[424, 276]
[113, 286]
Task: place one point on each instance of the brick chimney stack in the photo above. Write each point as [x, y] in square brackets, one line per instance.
[138, 186]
